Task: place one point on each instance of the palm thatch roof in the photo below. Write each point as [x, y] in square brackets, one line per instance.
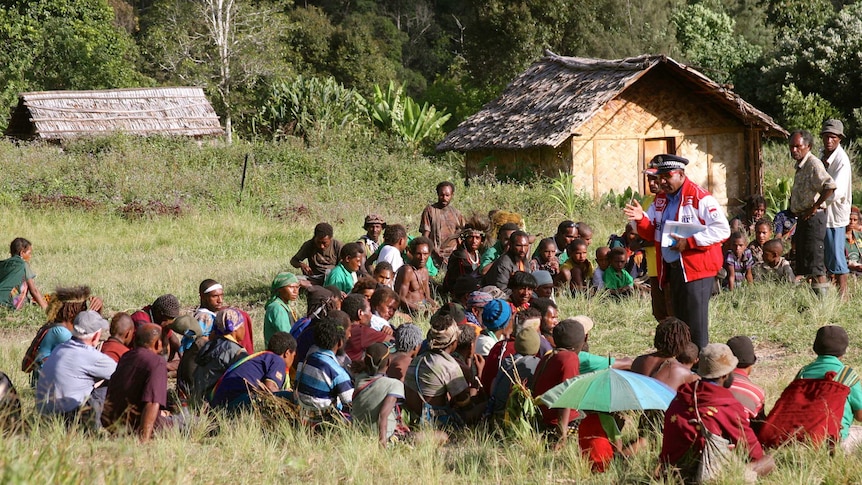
[57, 115]
[556, 95]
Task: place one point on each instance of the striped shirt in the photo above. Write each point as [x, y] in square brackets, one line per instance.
[748, 393]
[321, 382]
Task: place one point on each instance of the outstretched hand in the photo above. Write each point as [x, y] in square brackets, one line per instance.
[634, 211]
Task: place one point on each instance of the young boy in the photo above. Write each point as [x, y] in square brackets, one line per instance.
[394, 243]
[617, 280]
[384, 274]
[546, 257]
[577, 271]
[263, 370]
[321, 382]
[16, 277]
[321, 252]
[774, 267]
[384, 303]
[362, 335]
[603, 261]
[377, 395]
[738, 261]
[343, 275]
[585, 232]
[762, 233]
[412, 282]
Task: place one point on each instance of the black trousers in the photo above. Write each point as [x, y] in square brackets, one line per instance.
[690, 302]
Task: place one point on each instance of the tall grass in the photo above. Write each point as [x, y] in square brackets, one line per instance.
[129, 260]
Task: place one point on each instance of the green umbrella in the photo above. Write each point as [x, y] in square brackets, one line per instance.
[608, 391]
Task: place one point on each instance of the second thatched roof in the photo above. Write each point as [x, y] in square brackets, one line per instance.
[556, 95]
[57, 115]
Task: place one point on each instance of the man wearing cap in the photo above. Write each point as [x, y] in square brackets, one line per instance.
[686, 265]
[138, 392]
[70, 375]
[812, 187]
[496, 317]
[717, 410]
[746, 392]
[838, 211]
[374, 226]
[279, 314]
[830, 345]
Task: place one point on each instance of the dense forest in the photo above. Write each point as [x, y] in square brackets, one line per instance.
[283, 67]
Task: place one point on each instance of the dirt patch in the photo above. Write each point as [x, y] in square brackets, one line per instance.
[293, 213]
[58, 201]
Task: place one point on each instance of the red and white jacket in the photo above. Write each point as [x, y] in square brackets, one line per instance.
[702, 257]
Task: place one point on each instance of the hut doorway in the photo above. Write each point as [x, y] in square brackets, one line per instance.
[651, 148]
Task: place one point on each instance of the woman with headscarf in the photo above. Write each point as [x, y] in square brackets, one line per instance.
[280, 314]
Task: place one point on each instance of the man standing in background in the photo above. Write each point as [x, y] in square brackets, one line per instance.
[838, 211]
[441, 223]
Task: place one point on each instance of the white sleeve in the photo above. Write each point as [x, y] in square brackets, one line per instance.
[717, 227]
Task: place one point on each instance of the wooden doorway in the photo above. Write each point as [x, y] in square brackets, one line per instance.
[651, 148]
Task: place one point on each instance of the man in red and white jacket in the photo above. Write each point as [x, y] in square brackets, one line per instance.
[687, 264]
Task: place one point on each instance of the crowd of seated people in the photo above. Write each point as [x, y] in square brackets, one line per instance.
[355, 354]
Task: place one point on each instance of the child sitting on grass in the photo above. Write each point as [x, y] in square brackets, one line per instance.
[603, 261]
[617, 280]
[577, 271]
[762, 233]
[546, 257]
[738, 261]
[774, 267]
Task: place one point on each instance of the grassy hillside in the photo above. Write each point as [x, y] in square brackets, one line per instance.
[135, 220]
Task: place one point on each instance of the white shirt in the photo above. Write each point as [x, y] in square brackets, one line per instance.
[838, 208]
[391, 255]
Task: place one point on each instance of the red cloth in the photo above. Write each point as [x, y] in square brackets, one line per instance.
[114, 349]
[594, 443]
[721, 413]
[362, 337]
[141, 317]
[553, 369]
[248, 340]
[698, 261]
[498, 352]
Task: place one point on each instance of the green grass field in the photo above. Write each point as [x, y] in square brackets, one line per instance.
[130, 259]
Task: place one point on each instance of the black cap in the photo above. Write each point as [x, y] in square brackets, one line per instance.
[743, 349]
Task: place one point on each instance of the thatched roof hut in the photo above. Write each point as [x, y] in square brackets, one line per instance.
[603, 120]
[58, 115]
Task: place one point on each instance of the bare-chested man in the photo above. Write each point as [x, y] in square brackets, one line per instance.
[412, 281]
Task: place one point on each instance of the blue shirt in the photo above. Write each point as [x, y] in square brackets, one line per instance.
[322, 382]
[68, 376]
[250, 374]
[670, 213]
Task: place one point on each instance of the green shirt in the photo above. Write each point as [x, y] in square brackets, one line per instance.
[279, 317]
[341, 278]
[13, 273]
[818, 369]
[615, 280]
[592, 362]
[491, 254]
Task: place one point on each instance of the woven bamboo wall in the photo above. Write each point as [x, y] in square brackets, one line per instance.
[658, 106]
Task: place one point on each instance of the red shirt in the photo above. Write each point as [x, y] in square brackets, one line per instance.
[114, 349]
[362, 337]
[498, 352]
[553, 369]
[721, 413]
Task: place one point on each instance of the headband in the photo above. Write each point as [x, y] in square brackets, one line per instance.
[213, 288]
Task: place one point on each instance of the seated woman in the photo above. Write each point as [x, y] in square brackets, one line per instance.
[16, 277]
[853, 243]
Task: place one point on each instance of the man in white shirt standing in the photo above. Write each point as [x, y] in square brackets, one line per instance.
[838, 211]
